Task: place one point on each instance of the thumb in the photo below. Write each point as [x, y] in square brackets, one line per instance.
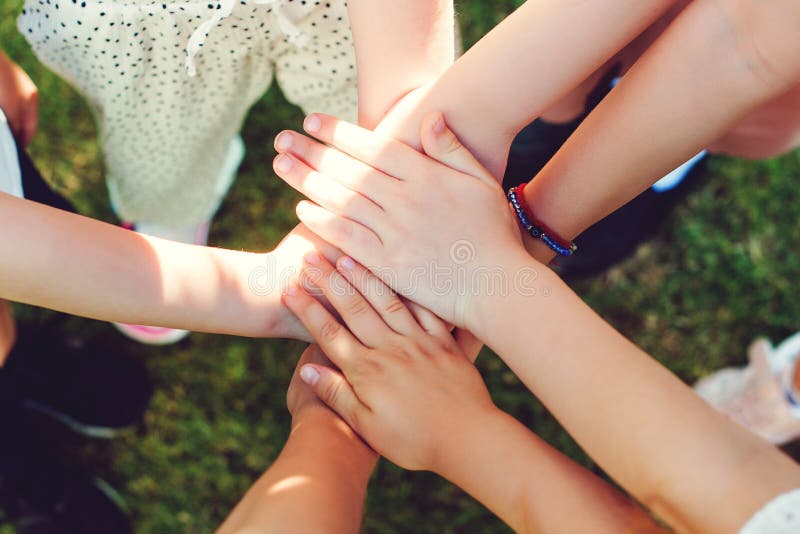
[335, 391]
[440, 143]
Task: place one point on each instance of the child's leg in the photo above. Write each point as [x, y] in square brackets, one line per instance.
[8, 332]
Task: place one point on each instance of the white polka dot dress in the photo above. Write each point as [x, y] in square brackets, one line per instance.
[171, 82]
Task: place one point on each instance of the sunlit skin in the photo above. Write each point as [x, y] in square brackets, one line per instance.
[487, 114]
[158, 283]
[648, 430]
[723, 76]
[406, 386]
[319, 480]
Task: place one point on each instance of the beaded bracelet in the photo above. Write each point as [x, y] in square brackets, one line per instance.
[536, 228]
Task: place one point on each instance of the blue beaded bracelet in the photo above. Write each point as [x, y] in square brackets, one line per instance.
[533, 227]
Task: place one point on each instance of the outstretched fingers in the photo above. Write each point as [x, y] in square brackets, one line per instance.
[351, 237]
[359, 309]
[393, 310]
[383, 153]
[346, 170]
[326, 192]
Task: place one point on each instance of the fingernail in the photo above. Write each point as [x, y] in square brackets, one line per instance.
[312, 123]
[283, 163]
[283, 142]
[438, 124]
[347, 263]
[309, 375]
[311, 258]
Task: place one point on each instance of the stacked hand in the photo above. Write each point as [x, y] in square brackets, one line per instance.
[401, 381]
[392, 208]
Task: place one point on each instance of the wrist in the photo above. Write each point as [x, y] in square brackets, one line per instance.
[545, 205]
[320, 432]
[260, 279]
[535, 247]
[533, 226]
[474, 444]
[253, 296]
[523, 277]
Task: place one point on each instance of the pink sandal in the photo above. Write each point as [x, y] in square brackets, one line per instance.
[152, 335]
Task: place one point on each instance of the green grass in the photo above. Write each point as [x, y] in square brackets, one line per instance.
[717, 275]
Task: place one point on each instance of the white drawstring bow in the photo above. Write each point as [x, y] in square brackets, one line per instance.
[224, 9]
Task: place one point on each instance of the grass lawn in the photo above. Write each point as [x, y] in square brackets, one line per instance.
[717, 275]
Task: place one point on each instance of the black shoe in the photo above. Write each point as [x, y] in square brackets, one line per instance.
[63, 503]
[37, 494]
[613, 238]
[94, 389]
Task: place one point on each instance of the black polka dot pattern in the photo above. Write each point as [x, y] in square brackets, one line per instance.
[166, 135]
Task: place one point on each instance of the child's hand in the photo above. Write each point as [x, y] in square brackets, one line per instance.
[19, 100]
[404, 385]
[283, 266]
[299, 397]
[438, 233]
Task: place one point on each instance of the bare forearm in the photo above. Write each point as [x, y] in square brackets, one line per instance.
[533, 487]
[712, 66]
[78, 265]
[681, 457]
[399, 46]
[317, 484]
[515, 72]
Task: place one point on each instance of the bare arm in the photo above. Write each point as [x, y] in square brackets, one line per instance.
[416, 398]
[717, 62]
[688, 463]
[319, 481]
[520, 68]
[85, 267]
[508, 78]
[400, 46]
